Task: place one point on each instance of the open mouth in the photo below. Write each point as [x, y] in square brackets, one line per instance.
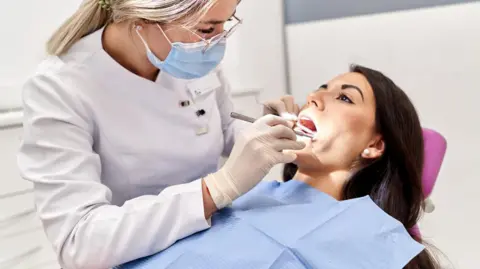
[305, 127]
[306, 124]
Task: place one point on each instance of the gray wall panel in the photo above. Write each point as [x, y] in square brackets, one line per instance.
[299, 11]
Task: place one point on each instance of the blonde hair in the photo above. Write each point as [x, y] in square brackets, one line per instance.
[91, 16]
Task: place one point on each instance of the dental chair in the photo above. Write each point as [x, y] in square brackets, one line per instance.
[435, 147]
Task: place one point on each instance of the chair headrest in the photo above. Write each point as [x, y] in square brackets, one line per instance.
[435, 147]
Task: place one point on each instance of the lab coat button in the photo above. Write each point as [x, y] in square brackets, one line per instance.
[184, 103]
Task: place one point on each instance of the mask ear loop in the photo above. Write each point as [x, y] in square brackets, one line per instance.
[165, 35]
[137, 28]
[147, 48]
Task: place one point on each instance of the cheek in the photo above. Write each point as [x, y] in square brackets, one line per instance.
[343, 133]
[340, 137]
[177, 34]
[357, 124]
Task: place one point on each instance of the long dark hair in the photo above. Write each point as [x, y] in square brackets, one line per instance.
[393, 181]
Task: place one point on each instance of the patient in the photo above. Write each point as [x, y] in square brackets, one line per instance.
[365, 160]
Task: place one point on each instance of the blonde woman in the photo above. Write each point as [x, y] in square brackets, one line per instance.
[124, 125]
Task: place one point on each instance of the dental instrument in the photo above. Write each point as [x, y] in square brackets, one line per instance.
[242, 117]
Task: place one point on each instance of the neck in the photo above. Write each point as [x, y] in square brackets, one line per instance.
[330, 183]
[120, 42]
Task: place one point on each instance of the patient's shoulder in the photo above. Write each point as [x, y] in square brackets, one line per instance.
[369, 213]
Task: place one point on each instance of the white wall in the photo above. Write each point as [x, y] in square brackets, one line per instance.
[25, 26]
[434, 55]
[255, 54]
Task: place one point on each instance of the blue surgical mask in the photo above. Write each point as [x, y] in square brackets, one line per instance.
[187, 60]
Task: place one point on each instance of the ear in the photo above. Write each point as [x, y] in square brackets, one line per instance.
[374, 149]
[140, 23]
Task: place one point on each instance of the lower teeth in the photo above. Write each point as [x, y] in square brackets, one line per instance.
[305, 129]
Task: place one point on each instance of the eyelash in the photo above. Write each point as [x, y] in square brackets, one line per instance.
[344, 98]
[206, 31]
[209, 30]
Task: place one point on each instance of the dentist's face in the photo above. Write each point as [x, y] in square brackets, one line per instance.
[343, 111]
[210, 25]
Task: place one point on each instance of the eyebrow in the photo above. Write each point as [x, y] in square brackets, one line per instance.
[346, 87]
[215, 22]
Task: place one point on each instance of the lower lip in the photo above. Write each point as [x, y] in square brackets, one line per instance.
[306, 130]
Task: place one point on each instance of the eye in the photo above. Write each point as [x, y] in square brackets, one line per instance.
[206, 31]
[342, 97]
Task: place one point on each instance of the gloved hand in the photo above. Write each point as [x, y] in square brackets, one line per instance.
[257, 149]
[284, 107]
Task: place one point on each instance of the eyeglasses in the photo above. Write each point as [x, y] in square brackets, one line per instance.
[232, 27]
[224, 35]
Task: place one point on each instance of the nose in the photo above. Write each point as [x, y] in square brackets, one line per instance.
[316, 100]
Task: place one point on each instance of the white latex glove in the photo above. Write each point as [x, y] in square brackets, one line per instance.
[284, 107]
[257, 149]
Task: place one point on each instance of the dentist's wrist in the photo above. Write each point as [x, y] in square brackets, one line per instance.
[220, 190]
[209, 206]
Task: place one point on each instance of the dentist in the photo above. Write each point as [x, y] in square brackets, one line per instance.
[124, 126]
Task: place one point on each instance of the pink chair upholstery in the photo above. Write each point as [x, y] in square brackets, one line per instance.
[435, 147]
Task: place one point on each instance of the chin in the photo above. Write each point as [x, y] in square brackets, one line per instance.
[306, 159]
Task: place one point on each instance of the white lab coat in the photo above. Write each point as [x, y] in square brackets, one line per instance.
[104, 148]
